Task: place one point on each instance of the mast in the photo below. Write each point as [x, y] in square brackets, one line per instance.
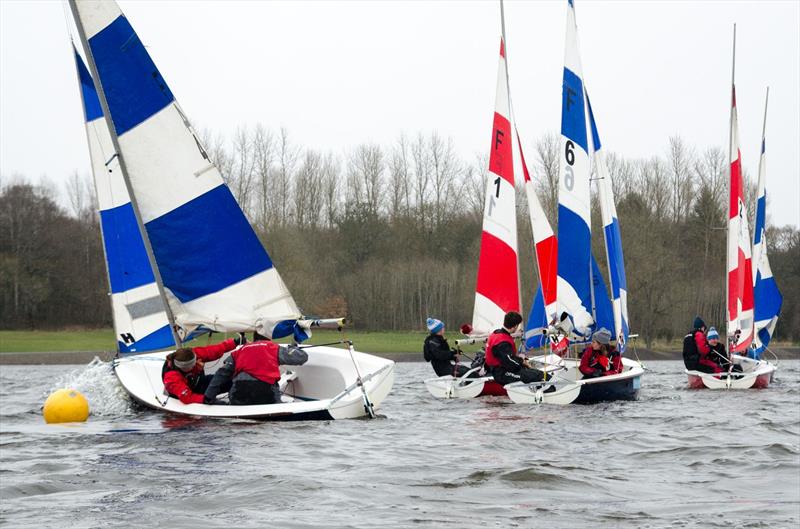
[728, 330]
[511, 119]
[123, 169]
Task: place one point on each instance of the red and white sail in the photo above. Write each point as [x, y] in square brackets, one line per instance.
[544, 240]
[497, 289]
[740, 272]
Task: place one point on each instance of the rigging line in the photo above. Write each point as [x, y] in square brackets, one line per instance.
[368, 407]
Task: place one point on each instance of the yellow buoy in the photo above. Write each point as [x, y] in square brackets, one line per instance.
[65, 405]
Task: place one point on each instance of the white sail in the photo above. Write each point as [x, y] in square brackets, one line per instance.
[214, 270]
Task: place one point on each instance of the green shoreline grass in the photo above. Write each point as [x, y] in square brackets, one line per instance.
[95, 340]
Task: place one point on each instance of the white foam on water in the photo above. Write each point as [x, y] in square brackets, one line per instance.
[96, 381]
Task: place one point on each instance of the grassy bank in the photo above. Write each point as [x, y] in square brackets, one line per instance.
[95, 340]
[103, 340]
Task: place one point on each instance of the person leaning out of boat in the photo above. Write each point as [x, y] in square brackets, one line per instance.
[250, 374]
[502, 360]
[437, 351]
[600, 358]
[183, 374]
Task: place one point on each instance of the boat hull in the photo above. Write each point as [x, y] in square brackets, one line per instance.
[324, 388]
[564, 385]
[449, 387]
[755, 374]
[568, 387]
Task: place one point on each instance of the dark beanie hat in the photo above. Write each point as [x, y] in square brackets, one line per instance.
[699, 323]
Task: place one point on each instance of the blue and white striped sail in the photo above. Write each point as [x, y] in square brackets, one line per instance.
[214, 270]
[766, 296]
[538, 320]
[574, 222]
[613, 238]
[140, 318]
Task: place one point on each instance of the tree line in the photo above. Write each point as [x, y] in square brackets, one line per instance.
[389, 234]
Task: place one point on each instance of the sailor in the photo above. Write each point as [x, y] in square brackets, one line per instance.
[437, 351]
[600, 358]
[251, 373]
[502, 359]
[705, 363]
[183, 374]
[718, 355]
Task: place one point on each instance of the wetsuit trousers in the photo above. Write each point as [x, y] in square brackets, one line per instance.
[525, 375]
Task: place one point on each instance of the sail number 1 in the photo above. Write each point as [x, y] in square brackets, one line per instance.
[569, 176]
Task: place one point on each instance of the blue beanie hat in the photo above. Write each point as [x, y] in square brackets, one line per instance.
[698, 322]
[712, 334]
[434, 325]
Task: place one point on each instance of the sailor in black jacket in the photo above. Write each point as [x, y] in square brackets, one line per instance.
[438, 352]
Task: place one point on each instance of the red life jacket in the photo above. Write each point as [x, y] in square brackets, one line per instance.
[494, 339]
[259, 360]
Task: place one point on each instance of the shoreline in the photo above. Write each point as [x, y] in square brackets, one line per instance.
[84, 357]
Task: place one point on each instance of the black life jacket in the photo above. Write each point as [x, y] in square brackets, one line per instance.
[691, 356]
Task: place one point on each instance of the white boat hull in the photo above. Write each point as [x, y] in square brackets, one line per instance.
[449, 387]
[755, 374]
[324, 388]
[564, 384]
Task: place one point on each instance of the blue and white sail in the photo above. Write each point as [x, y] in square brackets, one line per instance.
[214, 270]
[767, 298]
[140, 318]
[574, 221]
[538, 320]
[613, 238]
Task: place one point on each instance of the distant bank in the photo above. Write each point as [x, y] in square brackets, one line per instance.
[84, 357]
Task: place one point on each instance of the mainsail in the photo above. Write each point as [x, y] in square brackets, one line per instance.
[740, 273]
[613, 238]
[214, 270]
[766, 296]
[497, 289]
[140, 318]
[574, 224]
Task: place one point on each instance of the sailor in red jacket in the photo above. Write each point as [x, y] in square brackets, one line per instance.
[183, 374]
[600, 358]
[706, 364]
[250, 374]
[503, 361]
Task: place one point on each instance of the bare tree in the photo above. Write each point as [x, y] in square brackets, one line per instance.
[330, 189]
[546, 175]
[365, 177]
[399, 188]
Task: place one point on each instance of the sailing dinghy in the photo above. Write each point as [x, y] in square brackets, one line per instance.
[754, 301]
[577, 303]
[181, 257]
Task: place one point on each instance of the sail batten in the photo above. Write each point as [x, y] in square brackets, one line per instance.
[214, 271]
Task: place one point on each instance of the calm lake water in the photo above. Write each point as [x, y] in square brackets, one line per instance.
[675, 458]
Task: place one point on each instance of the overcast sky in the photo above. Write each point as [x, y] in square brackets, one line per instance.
[342, 73]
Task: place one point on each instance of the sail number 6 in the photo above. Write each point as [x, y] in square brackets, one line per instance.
[569, 154]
